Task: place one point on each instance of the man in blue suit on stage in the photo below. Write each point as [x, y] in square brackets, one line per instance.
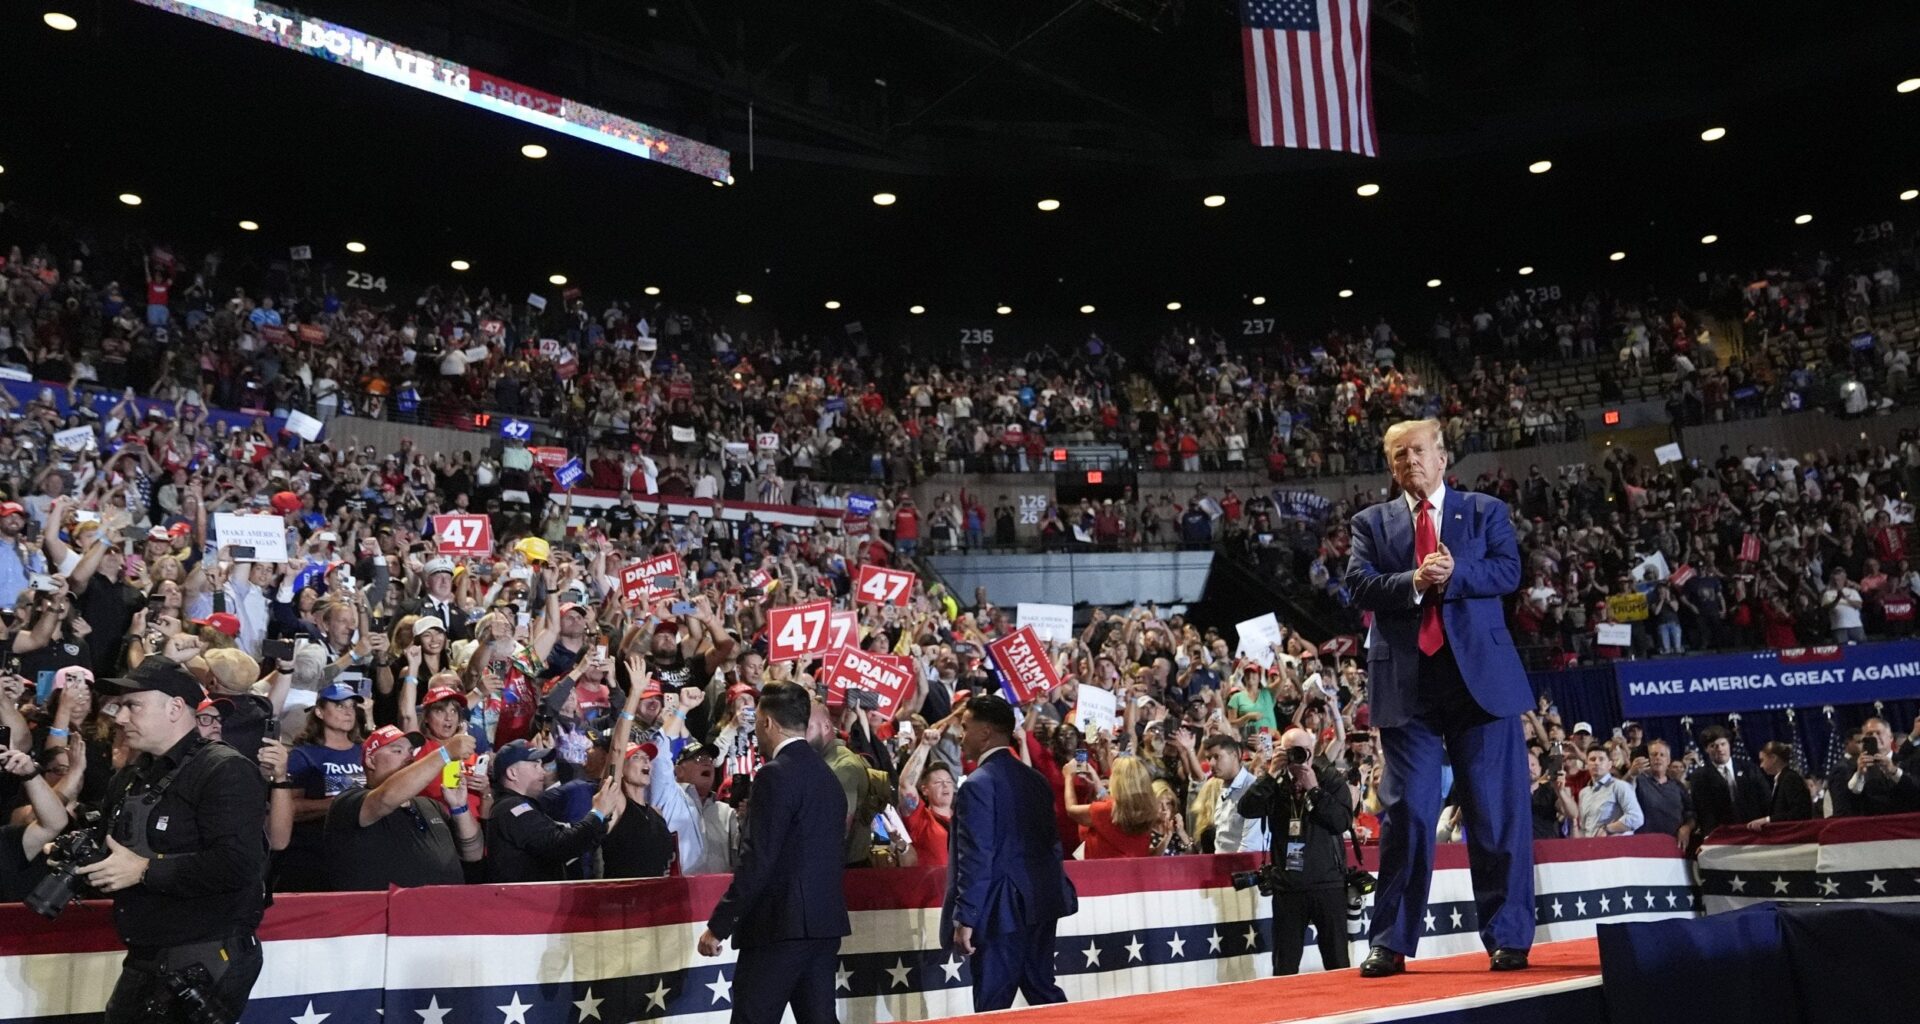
[786, 909]
[1006, 889]
[1445, 683]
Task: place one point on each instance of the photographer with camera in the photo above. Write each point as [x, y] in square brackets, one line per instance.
[1307, 807]
[182, 854]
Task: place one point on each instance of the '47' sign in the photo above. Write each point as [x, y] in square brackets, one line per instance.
[463, 535]
[876, 585]
[799, 631]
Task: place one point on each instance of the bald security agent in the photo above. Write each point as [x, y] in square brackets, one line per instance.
[186, 827]
[785, 909]
[1432, 564]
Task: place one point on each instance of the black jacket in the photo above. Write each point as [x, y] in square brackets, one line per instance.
[789, 883]
[1325, 814]
[1714, 805]
[1788, 799]
[208, 832]
[524, 845]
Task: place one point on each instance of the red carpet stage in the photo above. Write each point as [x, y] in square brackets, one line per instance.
[1455, 988]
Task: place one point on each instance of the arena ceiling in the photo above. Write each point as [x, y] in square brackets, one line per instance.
[1127, 112]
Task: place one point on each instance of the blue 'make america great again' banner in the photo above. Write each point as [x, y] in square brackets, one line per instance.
[1762, 680]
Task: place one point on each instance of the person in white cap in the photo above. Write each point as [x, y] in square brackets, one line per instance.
[440, 601]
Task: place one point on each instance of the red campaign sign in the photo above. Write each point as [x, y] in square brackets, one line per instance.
[549, 456]
[843, 630]
[1340, 646]
[1024, 665]
[313, 334]
[877, 585]
[463, 535]
[798, 631]
[1750, 548]
[636, 580]
[680, 389]
[275, 335]
[493, 328]
[1897, 609]
[1680, 576]
[886, 676]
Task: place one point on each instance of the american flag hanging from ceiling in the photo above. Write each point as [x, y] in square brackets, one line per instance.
[1309, 83]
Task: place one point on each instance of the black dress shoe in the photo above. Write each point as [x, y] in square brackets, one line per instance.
[1382, 961]
[1508, 960]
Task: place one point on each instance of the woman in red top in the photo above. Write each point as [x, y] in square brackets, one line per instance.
[1121, 825]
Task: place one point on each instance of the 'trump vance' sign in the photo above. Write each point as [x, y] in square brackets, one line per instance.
[1795, 678]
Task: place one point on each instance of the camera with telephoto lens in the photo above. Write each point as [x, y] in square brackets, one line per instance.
[1265, 876]
[185, 995]
[74, 850]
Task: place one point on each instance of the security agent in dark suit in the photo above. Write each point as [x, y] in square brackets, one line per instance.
[1006, 889]
[786, 909]
[1307, 808]
[1784, 790]
[1725, 791]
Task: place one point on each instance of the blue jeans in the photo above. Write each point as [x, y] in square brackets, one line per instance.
[1670, 638]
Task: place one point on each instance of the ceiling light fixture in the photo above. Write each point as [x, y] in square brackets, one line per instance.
[1433, 282]
[1805, 218]
[1346, 293]
[356, 247]
[1709, 239]
[59, 22]
[1910, 195]
[916, 309]
[130, 199]
[1525, 271]
[717, 183]
[885, 199]
[1713, 135]
[460, 265]
[1003, 309]
[1540, 167]
[652, 289]
[743, 298]
[249, 225]
[1617, 255]
[833, 303]
[1086, 309]
[1910, 85]
[1259, 300]
[556, 279]
[1369, 189]
[1173, 307]
[534, 151]
[1213, 201]
[1048, 205]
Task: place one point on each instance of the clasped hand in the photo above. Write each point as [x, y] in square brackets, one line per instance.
[1435, 570]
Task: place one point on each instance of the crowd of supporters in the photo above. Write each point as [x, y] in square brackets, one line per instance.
[364, 652]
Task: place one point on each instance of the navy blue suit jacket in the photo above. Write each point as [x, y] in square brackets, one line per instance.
[789, 884]
[1486, 568]
[1003, 861]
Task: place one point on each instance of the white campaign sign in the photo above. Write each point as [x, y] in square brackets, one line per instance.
[1614, 634]
[77, 439]
[1257, 638]
[303, 426]
[1052, 622]
[1668, 453]
[266, 535]
[1095, 709]
[683, 435]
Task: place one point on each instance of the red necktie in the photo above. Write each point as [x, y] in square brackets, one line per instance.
[1433, 636]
